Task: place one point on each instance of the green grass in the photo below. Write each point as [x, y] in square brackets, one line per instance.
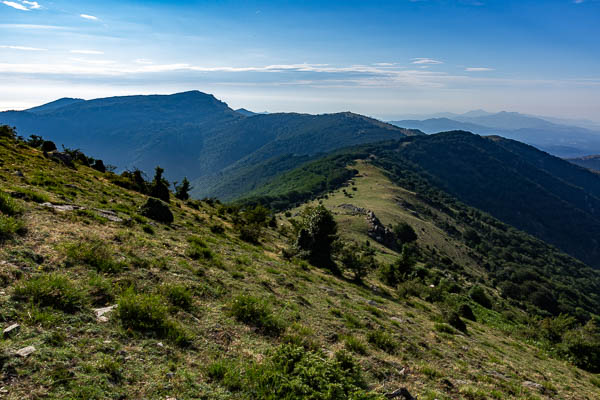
[256, 312]
[52, 290]
[383, 341]
[94, 253]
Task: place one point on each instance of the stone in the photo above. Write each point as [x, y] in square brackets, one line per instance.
[157, 210]
[11, 330]
[25, 351]
[100, 313]
[401, 393]
[62, 207]
[533, 385]
[380, 233]
[108, 214]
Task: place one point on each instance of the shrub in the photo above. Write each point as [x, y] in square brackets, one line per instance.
[31, 195]
[179, 296]
[317, 233]
[478, 295]
[94, 253]
[10, 226]
[358, 260]
[465, 311]
[249, 232]
[582, 346]
[453, 319]
[157, 210]
[405, 233]
[393, 274]
[355, 345]
[444, 328]
[100, 290]
[148, 313]
[294, 373]
[217, 229]
[382, 340]
[9, 206]
[256, 312]
[160, 186]
[52, 290]
[197, 249]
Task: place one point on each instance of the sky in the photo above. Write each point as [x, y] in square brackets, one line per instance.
[380, 58]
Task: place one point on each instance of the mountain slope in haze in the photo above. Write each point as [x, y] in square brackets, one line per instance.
[543, 195]
[589, 162]
[204, 314]
[558, 139]
[191, 134]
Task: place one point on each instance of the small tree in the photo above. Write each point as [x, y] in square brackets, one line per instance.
[182, 192]
[316, 236]
[160, 186]
[393, 274]
[7, 131]
[358, 260]
[404, 233]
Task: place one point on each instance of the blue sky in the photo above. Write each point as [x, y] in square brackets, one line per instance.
[380, 58]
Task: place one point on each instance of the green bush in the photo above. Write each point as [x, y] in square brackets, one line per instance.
[148, 314]
[453, 319]
[465, 311]
[383, 341]
[10, 226]
[197, 249]
[9, 206]
[157, 210]
[294, 373]
[52, 290]
[355, 345]
[316, 235]
[100, 290]
[256, 312]
[94, 253]
[404, 233]
[393, 274]
[478, 295]
[358, 260]
[179, 296]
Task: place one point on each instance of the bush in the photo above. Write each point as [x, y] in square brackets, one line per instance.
[453, 319]
[9, 227]
[8, 206]
[405, 233]
[148, 313]
[294, 373]
[382, 340]
[355, 345]
[157, 210]
[52, 290]
[94, 253]
[197, 249]
[582, 347]
[393, 274]
[358, 260]
[256, 312]
[160, 186]
[478, 295]
[317, 233]
[179, 296]
[465, 311]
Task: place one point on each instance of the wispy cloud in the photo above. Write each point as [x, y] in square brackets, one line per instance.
[17, 6]
[32, 26]
[33, 5]
[425, 61]
[88, 52]
[90, 17]
[478, 69]
[24, 48]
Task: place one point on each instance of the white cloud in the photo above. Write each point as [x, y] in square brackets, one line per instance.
[478, 69]
[33, 5]
[90, 17]
[31, 26]
[143, 61]
[18, 6]
[89, 52]
[425, 61]
[24, 48]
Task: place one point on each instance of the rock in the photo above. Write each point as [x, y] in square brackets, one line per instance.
[157, 210]
[64, 158]
[533, 385]
[373, 303]
[63, 207]
[108, 214]
[25, 351]
[397, 319]
[99, 166]
[378, 232]
[100, 313]
[19, 174]
[352, 209]
[11, 330]
[160, 344]
[48, 146]
[401, 393]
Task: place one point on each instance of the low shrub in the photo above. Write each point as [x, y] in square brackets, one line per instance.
[179, 296]
[9, 206]
[148, 314]
[355, 345]
[453, 319]
[10, 227]
[478, 295]
[94, 253]
[383, 341]
[465, 311]
[157, 210]
[52, 290]
[256, 312]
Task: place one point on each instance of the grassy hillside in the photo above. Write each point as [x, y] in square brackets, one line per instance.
[203, 314]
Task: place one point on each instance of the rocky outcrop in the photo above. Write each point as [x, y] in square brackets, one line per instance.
[380, 233]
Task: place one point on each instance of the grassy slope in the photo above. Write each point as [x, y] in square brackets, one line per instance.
[74, 351]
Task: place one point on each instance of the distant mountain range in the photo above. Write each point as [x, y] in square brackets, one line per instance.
[555, 138]
[192, 133]
[590, 162]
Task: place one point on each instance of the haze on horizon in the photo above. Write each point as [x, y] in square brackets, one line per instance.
[380, 58]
